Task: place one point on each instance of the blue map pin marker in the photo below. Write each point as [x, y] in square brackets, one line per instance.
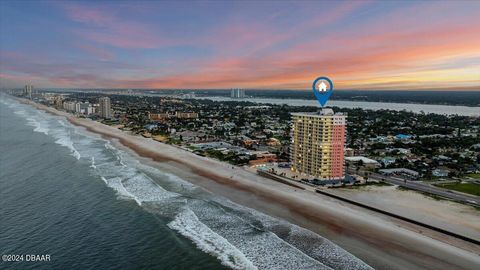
[321, 92]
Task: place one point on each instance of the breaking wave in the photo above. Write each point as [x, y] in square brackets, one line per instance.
[44, 123]
[188, 225]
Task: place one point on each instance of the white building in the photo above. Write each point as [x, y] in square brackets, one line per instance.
[237, 93]
[78, 107]
[366, 161]
[69, 106]
[27, 92]
[83, 108]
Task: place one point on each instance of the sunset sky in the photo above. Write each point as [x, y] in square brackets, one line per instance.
[247, 44]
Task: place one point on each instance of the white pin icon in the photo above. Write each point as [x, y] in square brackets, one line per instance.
[322, 87]
[323, 90]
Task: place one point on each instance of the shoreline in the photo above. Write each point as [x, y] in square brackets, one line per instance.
[440, 109]
[352, 100]
[392, 247]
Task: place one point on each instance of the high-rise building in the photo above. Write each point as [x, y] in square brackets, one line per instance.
[58, 101]
[83, 108]
[27, 92]
[105, 110]
[69, 106]
[318, 142]
[237, 93]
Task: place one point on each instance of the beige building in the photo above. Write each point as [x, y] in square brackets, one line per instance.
[58, 102]
[158, 116]
[318, 144]
[186, 115]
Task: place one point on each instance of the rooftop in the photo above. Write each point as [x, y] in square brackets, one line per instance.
[321, 113]
[363, 159]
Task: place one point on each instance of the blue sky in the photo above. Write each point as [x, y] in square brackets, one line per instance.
[248, 44]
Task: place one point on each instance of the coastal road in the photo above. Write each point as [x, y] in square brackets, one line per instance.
[420, 186]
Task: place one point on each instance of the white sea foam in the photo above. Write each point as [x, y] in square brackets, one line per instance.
[322, 249]
[262, 247]
[63, 135]
[119, 155]
[43, 123]
[116, 184]
[188, 225]
[65, 141]
[38, 126]
[41, 127]
[61, 122]
[104, 179]
[128, 181]
[145, 190]
[93, 163]
[108, 145]
[306, 241]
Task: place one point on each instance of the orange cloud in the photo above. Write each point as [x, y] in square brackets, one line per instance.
[407, 54]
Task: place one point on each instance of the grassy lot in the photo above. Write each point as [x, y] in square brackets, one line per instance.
[470, 188]
[474, 175]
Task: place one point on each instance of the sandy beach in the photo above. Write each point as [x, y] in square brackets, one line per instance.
[382, 242]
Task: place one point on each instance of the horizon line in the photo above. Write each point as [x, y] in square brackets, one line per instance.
[461, 89]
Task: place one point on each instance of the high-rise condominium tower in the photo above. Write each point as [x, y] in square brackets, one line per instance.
[237, 93]
[28, 91]
[318, 141]
[105, 110]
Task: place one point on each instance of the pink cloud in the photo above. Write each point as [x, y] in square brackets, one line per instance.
[405, 51]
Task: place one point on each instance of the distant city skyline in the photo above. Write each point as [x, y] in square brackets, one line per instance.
[366, 45]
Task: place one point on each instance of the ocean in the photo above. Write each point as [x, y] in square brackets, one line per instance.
[75, 196]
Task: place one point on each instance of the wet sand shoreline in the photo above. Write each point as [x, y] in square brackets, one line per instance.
[379, 241]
